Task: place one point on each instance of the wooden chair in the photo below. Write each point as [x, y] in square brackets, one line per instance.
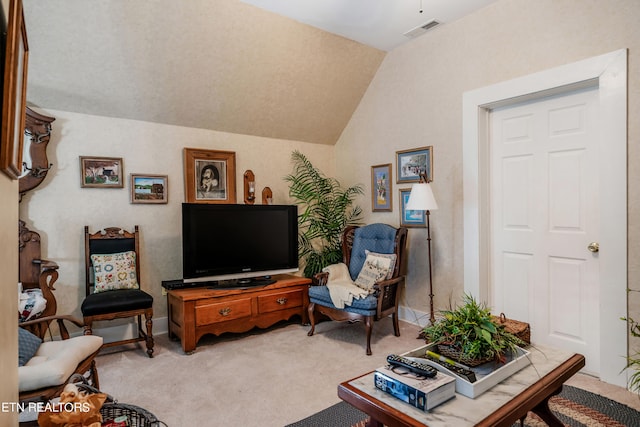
[383, 302]
[47, 364]
[119, 302]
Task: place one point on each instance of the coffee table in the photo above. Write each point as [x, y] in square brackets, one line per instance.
[527, 390]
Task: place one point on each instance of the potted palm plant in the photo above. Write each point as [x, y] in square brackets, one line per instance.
[470, 335]
[325, 210]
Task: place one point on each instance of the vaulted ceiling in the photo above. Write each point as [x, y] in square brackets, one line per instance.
[225, 65]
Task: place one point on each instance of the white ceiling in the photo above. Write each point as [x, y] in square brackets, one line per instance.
[376, 23]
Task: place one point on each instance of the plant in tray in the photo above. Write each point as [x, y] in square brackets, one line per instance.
[633, 362]
[469, 334]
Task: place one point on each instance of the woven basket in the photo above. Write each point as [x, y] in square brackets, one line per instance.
[453, 353]
[136, 416]
[520, 329]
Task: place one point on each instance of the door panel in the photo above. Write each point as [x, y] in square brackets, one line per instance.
[544, 212]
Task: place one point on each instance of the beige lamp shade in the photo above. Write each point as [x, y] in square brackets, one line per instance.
[421, 198]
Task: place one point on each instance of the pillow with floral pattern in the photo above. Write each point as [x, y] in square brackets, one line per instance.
[114, 271]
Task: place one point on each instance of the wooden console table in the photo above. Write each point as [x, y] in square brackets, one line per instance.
[198, 311]
[502, 405]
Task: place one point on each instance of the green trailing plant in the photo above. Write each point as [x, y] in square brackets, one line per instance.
[633, 362]
[325, 209]
[470, 330]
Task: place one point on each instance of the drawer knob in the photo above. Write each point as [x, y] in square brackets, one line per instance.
[281, 301]
[225, 311]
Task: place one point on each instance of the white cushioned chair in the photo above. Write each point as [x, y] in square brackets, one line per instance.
[48, 365]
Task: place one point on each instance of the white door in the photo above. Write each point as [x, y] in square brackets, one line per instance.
[544, 215]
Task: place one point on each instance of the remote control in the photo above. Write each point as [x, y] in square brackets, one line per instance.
[415, 367]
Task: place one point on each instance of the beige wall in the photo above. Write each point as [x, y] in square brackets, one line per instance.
[415, 100]
[9, 296]
[59, 208]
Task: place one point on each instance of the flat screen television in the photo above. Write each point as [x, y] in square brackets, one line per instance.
[238, 243]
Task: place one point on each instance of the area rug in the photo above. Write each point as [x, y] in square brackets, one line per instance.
[573, 406]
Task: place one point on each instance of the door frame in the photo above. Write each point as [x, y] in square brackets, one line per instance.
[608, 73]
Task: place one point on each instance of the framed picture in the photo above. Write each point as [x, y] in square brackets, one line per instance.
[101, 172]
[410, 218]
[14, 92]
[409, 164]
[149, 188]
[209, 176]
[381, 196]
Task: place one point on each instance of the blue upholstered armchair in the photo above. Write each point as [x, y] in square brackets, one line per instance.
[373, 257]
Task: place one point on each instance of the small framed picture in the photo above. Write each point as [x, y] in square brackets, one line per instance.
[381, 196]
[209, 176]
[410, 218]
[101, 172]
[410, 163]
[147, 188]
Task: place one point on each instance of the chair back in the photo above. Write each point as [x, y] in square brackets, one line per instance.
[109, 241]
[379, 238]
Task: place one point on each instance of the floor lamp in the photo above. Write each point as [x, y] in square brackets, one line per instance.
[421, 199]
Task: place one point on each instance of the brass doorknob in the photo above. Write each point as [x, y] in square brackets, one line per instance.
[594, 247]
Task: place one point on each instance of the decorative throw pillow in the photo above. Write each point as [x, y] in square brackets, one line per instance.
[114, 271]
[376, 267]
[392, 257]
[28, 345]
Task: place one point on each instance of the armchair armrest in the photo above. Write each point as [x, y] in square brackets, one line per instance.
[381, 285]
[39, 326]
[320, 279]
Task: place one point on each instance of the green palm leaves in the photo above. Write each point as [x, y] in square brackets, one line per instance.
[324, 210]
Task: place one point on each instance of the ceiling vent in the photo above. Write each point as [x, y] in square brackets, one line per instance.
[421, 29]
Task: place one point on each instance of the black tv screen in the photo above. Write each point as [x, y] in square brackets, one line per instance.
[225, 242]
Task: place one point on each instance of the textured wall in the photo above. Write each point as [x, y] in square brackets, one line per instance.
[60, 208]
[415, 100]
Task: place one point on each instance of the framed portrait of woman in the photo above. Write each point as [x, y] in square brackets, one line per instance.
[209, 176]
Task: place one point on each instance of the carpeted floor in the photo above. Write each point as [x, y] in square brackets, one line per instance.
[574, 407]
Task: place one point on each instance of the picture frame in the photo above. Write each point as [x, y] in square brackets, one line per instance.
[410, 218]
[409, 163]
[209, 176]
[14, 103]
[381, 188]
[147, 188]
[101, 172]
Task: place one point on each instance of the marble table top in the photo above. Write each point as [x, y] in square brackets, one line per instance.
[463, 411]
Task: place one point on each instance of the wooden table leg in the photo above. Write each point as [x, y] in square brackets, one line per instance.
[373, 423]
[542, 410]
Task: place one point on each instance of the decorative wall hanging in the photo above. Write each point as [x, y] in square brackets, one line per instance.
[14, 101]
[381, 196]
[410, 163]
[101, 172]
[408, 217]
[209, 176]
[149, 188]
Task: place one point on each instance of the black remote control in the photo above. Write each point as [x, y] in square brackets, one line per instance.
[464, 373]
[415, 367]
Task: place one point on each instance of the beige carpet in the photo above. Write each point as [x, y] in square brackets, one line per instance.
[265, 377]
[268, 377]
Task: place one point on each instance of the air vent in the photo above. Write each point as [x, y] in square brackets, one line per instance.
[421, 29]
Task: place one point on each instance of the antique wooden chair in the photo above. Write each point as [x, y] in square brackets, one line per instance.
[374, 240]
[47, 363]
[112, 261]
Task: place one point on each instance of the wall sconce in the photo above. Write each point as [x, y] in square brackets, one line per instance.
[267, 196]
[249, 187]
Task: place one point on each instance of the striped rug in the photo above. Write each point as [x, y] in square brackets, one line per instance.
[573, 406]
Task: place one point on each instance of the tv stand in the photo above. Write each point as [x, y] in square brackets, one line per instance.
[195, 312]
